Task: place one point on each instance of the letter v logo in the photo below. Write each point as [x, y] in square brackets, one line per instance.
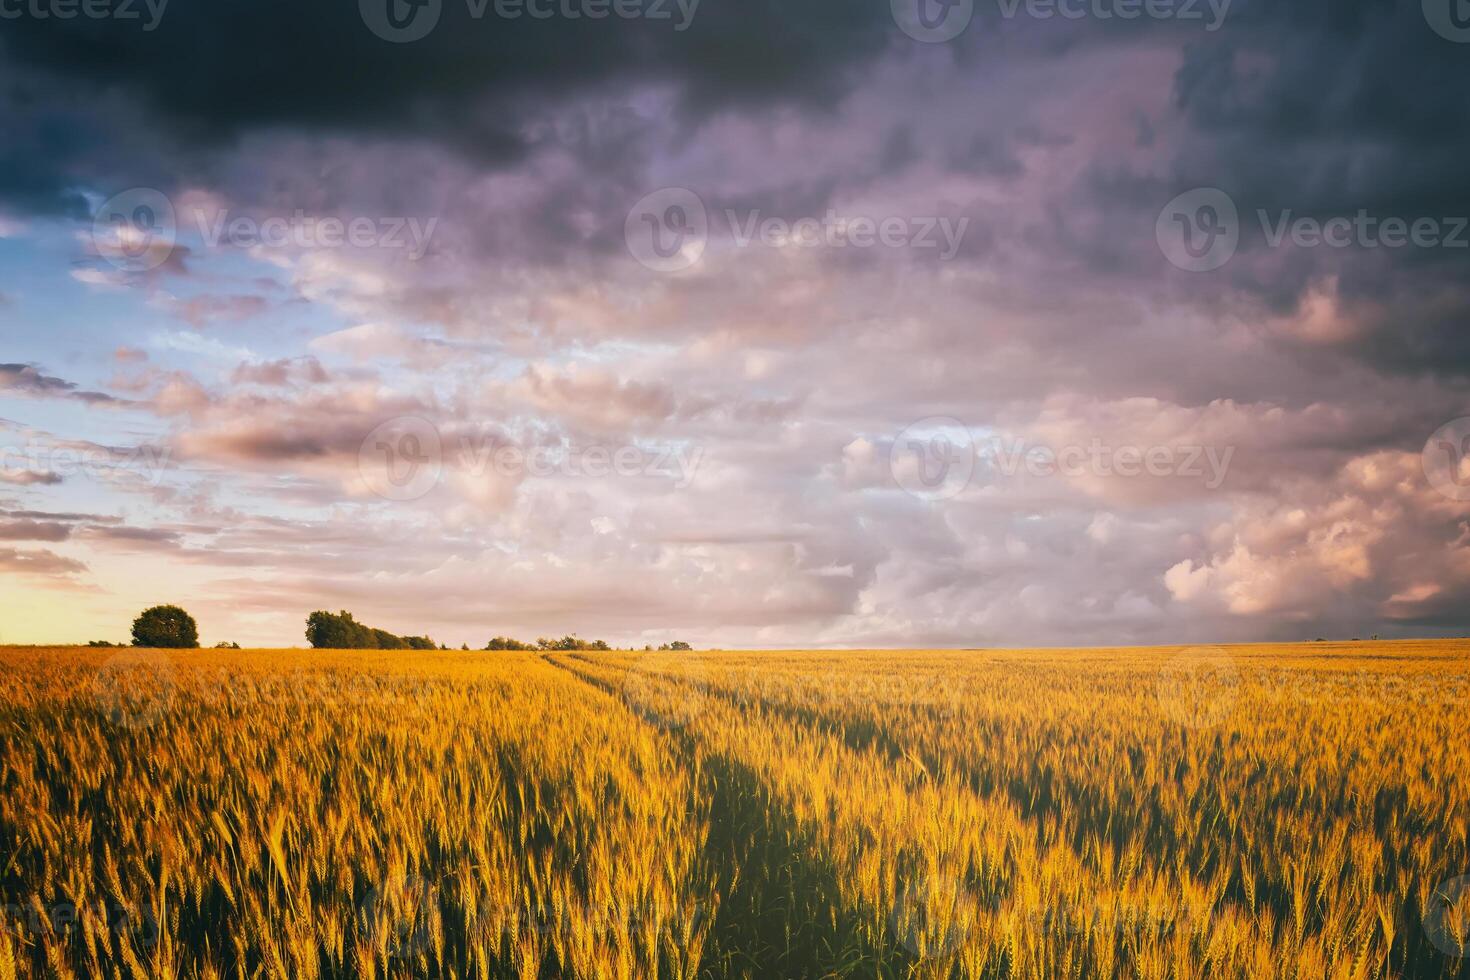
[933, 21]
[1446, 459]
[1450, 19]
[401, 21]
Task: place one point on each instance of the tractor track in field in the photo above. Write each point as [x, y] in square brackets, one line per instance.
[781, 913]
[1037, 800]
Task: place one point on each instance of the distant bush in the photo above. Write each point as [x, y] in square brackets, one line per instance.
[676, 645]
[165, 626]
[227, 646]
[341, 632]
[566, 643]
[104, 643]
[570, 643]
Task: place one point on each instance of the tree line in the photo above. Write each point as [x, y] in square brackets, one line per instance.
[341, 632]
[567, 643]
[172, 627]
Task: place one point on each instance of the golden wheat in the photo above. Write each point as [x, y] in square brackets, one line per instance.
[1292, 811]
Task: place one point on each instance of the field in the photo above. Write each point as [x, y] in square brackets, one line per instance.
[1260, 811]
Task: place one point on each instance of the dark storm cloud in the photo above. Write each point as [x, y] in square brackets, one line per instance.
[218, 69]
[1326, 110]
[63, 134]
[1313, 110]
[39, 143]
[793, 370]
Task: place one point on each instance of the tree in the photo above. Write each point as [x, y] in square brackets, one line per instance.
[166, 627]
[387, 641]
[341, 632]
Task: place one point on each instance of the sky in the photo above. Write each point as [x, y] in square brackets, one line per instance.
[840, 323]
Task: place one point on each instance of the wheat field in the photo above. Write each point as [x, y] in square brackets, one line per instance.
[1247, 811]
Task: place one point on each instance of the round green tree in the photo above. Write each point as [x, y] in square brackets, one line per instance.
[165, 626]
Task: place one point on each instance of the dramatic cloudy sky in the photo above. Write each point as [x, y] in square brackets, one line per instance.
[568, 374]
